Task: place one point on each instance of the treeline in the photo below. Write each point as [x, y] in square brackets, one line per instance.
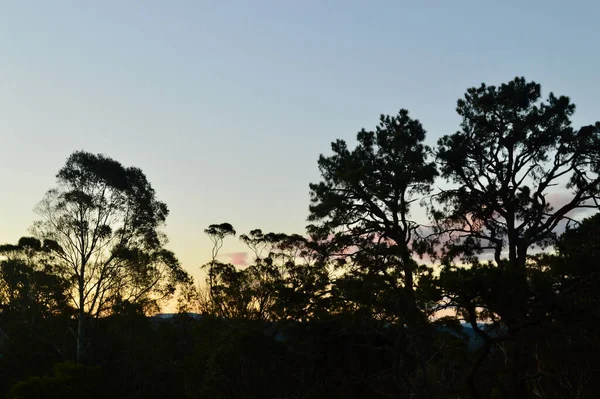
[465, 270]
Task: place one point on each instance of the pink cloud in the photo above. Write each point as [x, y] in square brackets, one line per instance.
[236, 258]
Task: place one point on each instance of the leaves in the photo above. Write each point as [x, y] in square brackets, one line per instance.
[102, 224]
[349, 309]
[512, 149]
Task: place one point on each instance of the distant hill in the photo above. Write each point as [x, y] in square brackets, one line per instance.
[169, 316]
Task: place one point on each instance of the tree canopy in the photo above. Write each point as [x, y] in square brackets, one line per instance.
[103, 220]
[466, 268]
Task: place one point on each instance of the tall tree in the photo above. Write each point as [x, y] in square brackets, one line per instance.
[363, 202]
[217, 234]
[216, 298]
[361, 214]
[505, 163]
[513, 149]
[105, 220]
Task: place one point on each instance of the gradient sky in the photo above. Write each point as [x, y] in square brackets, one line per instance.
[226, 105]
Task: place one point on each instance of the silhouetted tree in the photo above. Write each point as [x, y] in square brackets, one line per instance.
[363, 201]
[217, 234]
[34, 311]
[283, 280]
[30, 283]
[105, 219]
[290, 280]
[511, 151]
[361, 213]
[226, 296]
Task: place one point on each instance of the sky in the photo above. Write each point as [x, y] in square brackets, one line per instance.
[226, 106]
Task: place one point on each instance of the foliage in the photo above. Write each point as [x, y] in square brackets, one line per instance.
[105, 219]
[511, 151]
[362, 205]
[497, 295]
[69, 381]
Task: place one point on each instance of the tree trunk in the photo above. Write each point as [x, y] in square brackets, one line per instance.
[81, 336]
[519, 371]
[80, 357]
[520, 352]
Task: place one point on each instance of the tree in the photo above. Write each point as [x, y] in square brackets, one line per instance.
[579, 251]
[361, 215]
[34, 310]
[565, 347]
[105, 220]
[513, 149]
[284, 281]
[362, 205]
[222, 277]
[289, 280]
[31, 287]
[217, 234]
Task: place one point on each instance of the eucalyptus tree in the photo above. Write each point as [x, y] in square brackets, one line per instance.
[105, 221]
[290, 280]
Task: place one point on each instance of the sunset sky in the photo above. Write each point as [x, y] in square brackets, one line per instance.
[226, 105]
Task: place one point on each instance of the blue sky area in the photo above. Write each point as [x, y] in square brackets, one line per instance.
[226, 105]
